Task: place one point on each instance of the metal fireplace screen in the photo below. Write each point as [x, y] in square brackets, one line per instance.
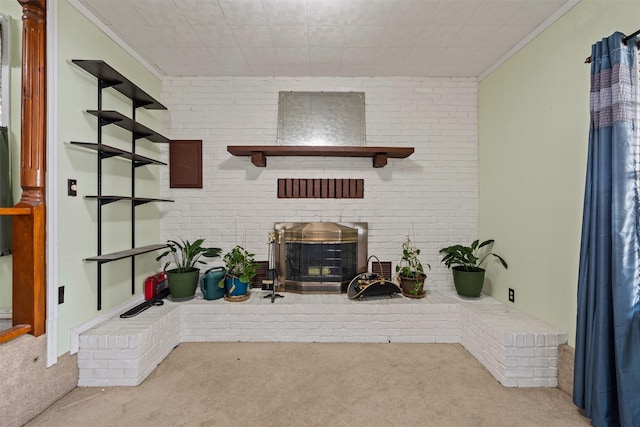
[319, 257]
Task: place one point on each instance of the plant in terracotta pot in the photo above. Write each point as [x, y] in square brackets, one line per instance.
[465, 262]
[410, 271]
[241, 269]
[183, 279]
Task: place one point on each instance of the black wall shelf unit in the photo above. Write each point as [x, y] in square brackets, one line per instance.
[110, 78]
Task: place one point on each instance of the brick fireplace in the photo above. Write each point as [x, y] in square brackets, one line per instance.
[436, 116]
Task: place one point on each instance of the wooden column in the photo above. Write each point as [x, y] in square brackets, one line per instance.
[29, 238]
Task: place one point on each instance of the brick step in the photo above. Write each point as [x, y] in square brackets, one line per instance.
[123, 352]
[518, 350]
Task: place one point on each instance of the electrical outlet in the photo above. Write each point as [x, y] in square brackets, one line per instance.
[72, 187]
[512, 295]
[60, 294]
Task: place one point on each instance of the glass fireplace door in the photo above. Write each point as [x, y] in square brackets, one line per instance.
[321, 263]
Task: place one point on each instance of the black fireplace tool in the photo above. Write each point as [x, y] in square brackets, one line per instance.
[272, 275]
[271, 282]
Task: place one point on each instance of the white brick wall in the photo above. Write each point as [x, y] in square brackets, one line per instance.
[433, 194]
[301, 318]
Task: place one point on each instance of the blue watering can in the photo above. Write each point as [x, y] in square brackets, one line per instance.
[209, 283]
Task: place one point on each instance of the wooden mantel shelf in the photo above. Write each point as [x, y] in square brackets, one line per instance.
[259, 153]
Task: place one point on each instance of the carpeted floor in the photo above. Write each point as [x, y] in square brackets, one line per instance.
[293, 384]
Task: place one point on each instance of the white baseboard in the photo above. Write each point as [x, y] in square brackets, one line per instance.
[74, 333]
[6, 313]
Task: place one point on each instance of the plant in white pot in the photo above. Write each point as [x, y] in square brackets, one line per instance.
[465, 261]
[410, 271]
[183, 279]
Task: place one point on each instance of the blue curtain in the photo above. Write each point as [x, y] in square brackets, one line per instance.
[607, 361]
[6, 199]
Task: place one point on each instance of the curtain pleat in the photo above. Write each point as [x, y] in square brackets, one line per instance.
[6, 198]
[607, 358]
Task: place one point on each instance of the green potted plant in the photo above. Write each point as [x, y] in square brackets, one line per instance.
[183, 279]
[241, 269]
[410, 271]
[465, 262]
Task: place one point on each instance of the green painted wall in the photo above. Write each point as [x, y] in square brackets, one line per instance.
[12, 9]
[78, 38]
[533, 136]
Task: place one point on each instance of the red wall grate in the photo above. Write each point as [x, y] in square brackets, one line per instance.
[320, 188]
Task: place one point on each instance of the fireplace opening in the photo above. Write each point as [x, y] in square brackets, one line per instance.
[319, 257]
[329, 262]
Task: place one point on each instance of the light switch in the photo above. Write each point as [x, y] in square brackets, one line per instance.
[72, 187]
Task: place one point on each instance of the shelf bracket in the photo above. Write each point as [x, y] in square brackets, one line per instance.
[138, 135]
[139, 104]
[103, 84]
[105, 122]
[380, 160]
[259, 159]
[106, 154]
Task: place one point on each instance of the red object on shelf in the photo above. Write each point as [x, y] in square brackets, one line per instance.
[149, 287]
[153, 285]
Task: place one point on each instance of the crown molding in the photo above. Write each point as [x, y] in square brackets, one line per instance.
[113, 36]
[532, 35]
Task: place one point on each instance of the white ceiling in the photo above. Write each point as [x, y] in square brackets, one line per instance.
[435, 38]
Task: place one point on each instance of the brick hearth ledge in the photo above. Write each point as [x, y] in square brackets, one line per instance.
[518, 349]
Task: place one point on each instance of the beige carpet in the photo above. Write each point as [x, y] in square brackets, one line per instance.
[277, 384]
